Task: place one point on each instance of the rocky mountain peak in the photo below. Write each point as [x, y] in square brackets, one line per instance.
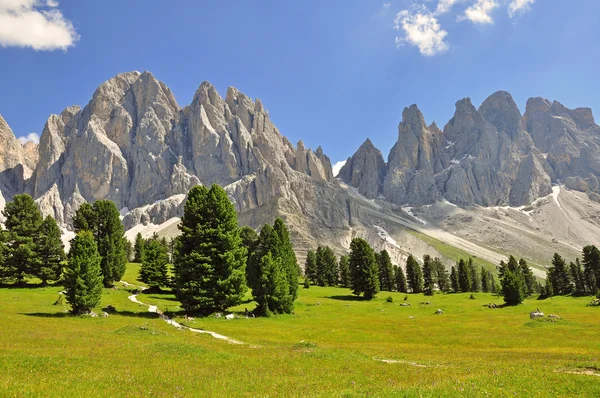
[365, 170]
[501, 110]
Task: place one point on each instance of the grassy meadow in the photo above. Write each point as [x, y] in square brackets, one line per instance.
[333, 345]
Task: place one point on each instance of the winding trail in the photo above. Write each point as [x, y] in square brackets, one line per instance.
[154, 309]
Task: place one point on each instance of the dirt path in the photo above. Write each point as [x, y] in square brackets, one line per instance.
[154, 309]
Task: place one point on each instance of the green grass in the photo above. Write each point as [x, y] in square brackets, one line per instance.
[453, 253]
[327, 348]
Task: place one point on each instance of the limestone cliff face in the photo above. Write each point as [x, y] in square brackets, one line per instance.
[365, 170]
[14, 169]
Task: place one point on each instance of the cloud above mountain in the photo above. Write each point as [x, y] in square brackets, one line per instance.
[36, 24]
[32, 137]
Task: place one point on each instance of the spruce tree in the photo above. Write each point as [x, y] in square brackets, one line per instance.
[386, 271]
[138, 249]
[310, 267]
[454, 280]
[485, 283]
[266, 240]
[401, 285]
[272, 293]
[345, 275]
[443, 278]
[559, 276]
[326, 266]
[428, 280]
[23, 223]
[591, 265]
[414, 275]
[513, 287]
[464, 277]
[284, 251]
[50, 251]
[110, 238]
[364, 269]
[474, 276]
[577, 277]
[154, 271]
[83, 275]
[210, 260]
[530, 282]
[85, 219]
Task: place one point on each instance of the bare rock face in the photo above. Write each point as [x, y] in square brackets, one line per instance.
[365, 170]
[13, 163]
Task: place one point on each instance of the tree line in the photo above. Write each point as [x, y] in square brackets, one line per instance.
[578, 278]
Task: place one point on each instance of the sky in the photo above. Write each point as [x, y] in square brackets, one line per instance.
[330, 72]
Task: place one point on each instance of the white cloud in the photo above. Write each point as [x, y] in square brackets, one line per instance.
[337, 167]
[32, 137]
[445, 5]
[421, 29]
[480, 12]
[517, 6]
[37, 24]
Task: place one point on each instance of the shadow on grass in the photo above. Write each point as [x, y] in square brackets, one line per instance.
[50, 315]
[346, 298]
[155, 296]
[28, 285]
[144, 315]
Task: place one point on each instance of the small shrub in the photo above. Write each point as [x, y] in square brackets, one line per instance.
[472, 297]
[390, 299]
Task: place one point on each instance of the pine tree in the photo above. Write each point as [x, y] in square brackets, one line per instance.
[284, 251]
[83, 275]
[400, 280]
[464, 277]
[386, 271]
[577, 277]
[310, 267]
[559, 276]
[501, 269]
[414, 275]
[474, 276]
[266, 240]
[210, 260]
[154, 271]
[494, 286]
[345, 275]
[364, 269]
[428, 279]
[272, 293]
[128, 250]
[530, 281]
[443, 279]
[513, 287]
[138, 249]
[110, 238]
[326, 266]
[85, 219]
[454, 280]
[50, 251]
[23, 223]
[548, 289]
[591, 265]
[485, 283]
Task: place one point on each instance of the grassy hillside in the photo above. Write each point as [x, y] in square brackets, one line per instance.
[332, 346]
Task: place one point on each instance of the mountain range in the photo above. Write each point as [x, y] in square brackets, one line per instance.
[133, 144]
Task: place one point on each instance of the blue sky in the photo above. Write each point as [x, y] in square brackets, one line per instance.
[331, 73]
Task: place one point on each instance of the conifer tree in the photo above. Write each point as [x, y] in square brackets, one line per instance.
[154, 271]
[110, 238]
[210, 260]
[85, 219]
[428, 282]
[310, 267]
[138, 249]
[454, 280]
[443, 279]
[326, 266]
[414, 275]
[266, 240]
[513, 287]
[284, 251]
[386, 271]
[591, 265]
[23, 223]
[50, 251]
[464, 277]
[485, 283]
[345, 275]
[401, 285]
[559, 276]
[83, 275]
[530, 282]
[364, 269]
[577, 277]
[272, 289]
[474, 276]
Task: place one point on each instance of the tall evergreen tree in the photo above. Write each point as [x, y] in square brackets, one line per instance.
[310, 266]
[559, 276]
[266, 240]
[530, 282]
[154, 271]
[50, 250]
[23, 223]
[454, 282]
[345, 275]
[401, 285]
[327, 269]
[428, 280]
[485, 282]
[577, 277]
[464, 277]
[364, 269]
[210, 260]
[285, 252]
[414, 275]
[386, 271]
[474, 276]
[272, 292]
[85, 219]
[83, 275]
[110, 238]
[138, 249]
[513, 287]
[591, 265]
[443, 279]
